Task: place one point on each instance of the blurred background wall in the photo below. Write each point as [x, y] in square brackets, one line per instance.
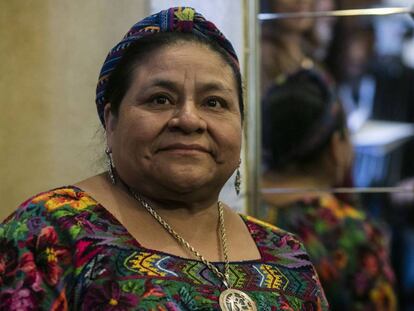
[51, 52]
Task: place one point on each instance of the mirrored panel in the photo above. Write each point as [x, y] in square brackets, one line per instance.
[337, 101]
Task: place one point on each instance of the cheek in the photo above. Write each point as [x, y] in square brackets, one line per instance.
[230, 139]
[135, 134]
[139, 124]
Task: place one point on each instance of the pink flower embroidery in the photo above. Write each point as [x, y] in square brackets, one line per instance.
[46, 256]
[8, 261]
[24, 297]
[108, 297]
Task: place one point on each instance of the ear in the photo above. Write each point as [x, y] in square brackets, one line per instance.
[341, 154]
[266, 181]
[336, 148]
[110, 124]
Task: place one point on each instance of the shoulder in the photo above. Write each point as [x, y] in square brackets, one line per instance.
[37, 251]
[50, 201]
[341, 209]
[283, 252]
[262, 225]
[324, 209]
[274, 240]
[68, 196]
[341, 215]
[42, 214]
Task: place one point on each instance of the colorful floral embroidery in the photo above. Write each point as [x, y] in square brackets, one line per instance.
[108, 297]
[8, 261]
[62, 250]
[45, 255]
[26, 295]
[61, 197]
[349, 252]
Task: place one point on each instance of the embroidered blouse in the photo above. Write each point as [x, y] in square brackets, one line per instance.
[62, 250]
[350, 252]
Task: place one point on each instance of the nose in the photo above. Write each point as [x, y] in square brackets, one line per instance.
[187, 118]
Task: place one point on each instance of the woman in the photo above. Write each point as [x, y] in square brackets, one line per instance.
[290, 44]
[151, 234]
[286, 44]
[307, 145]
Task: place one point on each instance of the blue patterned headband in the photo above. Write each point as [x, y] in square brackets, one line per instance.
[179, 19]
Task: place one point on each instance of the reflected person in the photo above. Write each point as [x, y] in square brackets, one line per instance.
[307, 145]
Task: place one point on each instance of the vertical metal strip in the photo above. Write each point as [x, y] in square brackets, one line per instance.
[252, 128]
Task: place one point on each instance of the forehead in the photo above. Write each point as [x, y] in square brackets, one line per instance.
[187, 59]
[289, 4]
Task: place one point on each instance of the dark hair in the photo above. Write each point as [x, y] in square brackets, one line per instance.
[141, 49]
[299, 117]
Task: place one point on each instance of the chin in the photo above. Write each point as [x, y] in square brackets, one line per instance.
[186, 171]
[189, 177]
[187, 183]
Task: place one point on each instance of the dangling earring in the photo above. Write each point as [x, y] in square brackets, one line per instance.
[110, 164]
[237, 180]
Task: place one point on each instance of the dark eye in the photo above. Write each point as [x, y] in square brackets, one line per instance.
[214, 103]
[160, 100]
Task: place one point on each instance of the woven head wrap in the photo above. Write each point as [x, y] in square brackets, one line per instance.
[179, 19]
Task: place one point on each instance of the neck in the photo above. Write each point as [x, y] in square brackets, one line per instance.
[293, 46]
[202, 211]
[187, 204]
[296, 181]
[180, 212]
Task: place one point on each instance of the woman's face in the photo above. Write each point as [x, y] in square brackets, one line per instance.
[294, 6]
[178, 129]
[288, 6]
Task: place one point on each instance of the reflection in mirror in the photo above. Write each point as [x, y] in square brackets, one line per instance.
[338, 111]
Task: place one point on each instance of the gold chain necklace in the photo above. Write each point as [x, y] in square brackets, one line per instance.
[230, 299]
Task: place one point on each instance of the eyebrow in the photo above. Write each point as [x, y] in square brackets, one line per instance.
[205, 87]
[168, 84]
[214, 86]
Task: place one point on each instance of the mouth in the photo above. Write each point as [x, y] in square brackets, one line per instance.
[185, 148]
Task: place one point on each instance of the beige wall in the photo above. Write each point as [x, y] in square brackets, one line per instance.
[51, 52]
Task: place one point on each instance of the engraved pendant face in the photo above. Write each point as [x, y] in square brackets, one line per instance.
[235, 300]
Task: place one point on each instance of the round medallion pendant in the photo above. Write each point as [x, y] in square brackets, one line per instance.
[235, 300]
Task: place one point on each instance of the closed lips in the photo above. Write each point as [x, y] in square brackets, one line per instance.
[185, 147]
